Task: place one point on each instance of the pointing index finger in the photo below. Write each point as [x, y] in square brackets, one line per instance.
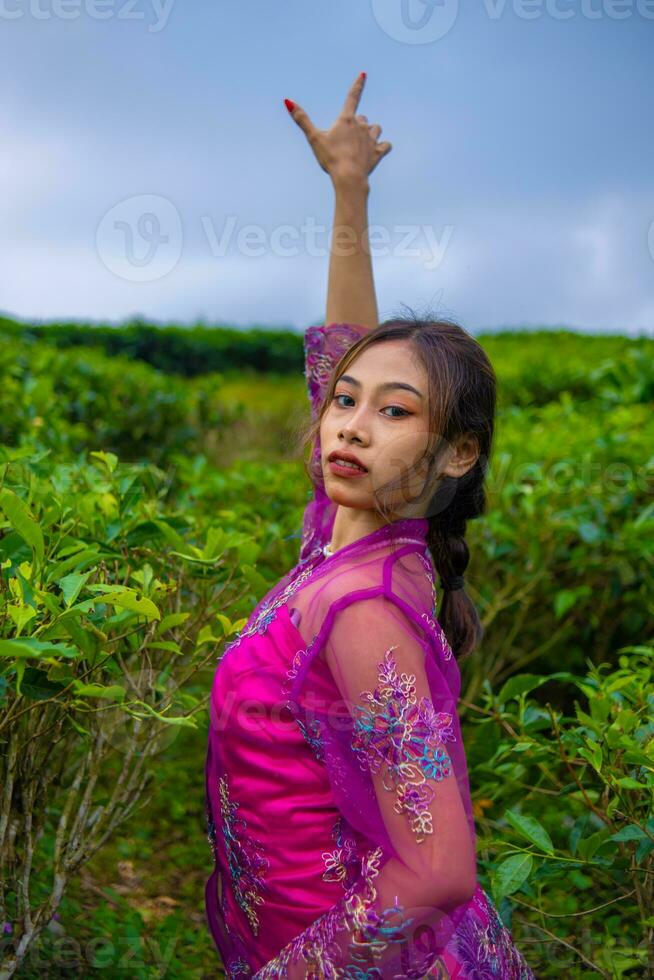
[351, 103]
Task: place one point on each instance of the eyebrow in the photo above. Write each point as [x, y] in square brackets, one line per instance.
[386, 386]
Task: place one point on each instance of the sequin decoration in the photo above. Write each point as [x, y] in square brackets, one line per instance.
[247, 863]
[403, 738]
[487, 952]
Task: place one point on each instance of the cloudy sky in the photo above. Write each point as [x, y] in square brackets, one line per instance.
[149, 167]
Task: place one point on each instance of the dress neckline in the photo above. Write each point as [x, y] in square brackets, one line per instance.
[413, 527]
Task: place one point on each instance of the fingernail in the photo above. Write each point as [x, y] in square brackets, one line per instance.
[289, 105]
[364, 75]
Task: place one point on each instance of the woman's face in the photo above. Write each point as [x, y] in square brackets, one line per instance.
[384, 425]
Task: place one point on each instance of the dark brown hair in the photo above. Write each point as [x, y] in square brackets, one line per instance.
[462, 401]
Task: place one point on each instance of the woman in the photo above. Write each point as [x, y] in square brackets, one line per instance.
[338, 803]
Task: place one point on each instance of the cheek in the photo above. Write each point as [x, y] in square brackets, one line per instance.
[404, 445]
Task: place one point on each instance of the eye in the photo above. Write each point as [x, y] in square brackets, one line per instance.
[397, 408]
[402, 410]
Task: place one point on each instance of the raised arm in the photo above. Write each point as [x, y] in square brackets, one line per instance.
[350, 288]
[348, 152]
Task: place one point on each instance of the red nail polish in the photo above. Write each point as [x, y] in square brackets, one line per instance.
[289, 105]
[364, 75]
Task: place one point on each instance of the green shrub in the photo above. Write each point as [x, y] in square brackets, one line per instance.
[73, 400]
[564, 814]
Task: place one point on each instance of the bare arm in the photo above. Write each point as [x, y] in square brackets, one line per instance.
[348, 152]
[351, 289]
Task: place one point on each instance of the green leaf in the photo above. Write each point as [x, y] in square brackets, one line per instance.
[630, 832]
[511, 873]
[531, 829]
[118, 595]
[71, 586]
[225, 622]
[564, 600]
[28, 646]
[593, 753]
[36, 685]
[589, 845]
[22, 521]
[169, 645]
[520, 684]
[110, 460]
[173, 619]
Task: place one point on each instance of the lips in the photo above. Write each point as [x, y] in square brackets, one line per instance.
[346, 458]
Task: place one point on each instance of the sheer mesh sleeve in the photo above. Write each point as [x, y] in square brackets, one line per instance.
[324, 345]
[390, 739]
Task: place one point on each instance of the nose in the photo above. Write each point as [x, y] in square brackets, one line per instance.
[351, 432]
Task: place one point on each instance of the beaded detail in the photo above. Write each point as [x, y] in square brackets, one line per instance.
[404, 739]
[487, 952]
[247, 863]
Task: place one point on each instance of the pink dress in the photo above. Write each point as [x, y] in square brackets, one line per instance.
[335, 767]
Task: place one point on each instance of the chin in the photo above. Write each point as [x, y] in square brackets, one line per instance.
[345, 496]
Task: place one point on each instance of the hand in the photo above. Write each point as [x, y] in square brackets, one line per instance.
[349, 151]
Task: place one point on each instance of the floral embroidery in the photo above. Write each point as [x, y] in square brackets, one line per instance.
[324, 345]
[404, 739]
[237, 968]
[211, 826]
[244, 856]
[429, 574]
[487, 951]
[442, 639]
[371, 932]
[313, 735]
[341, 864]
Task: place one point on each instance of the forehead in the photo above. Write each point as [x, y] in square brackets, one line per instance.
[390, 360]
